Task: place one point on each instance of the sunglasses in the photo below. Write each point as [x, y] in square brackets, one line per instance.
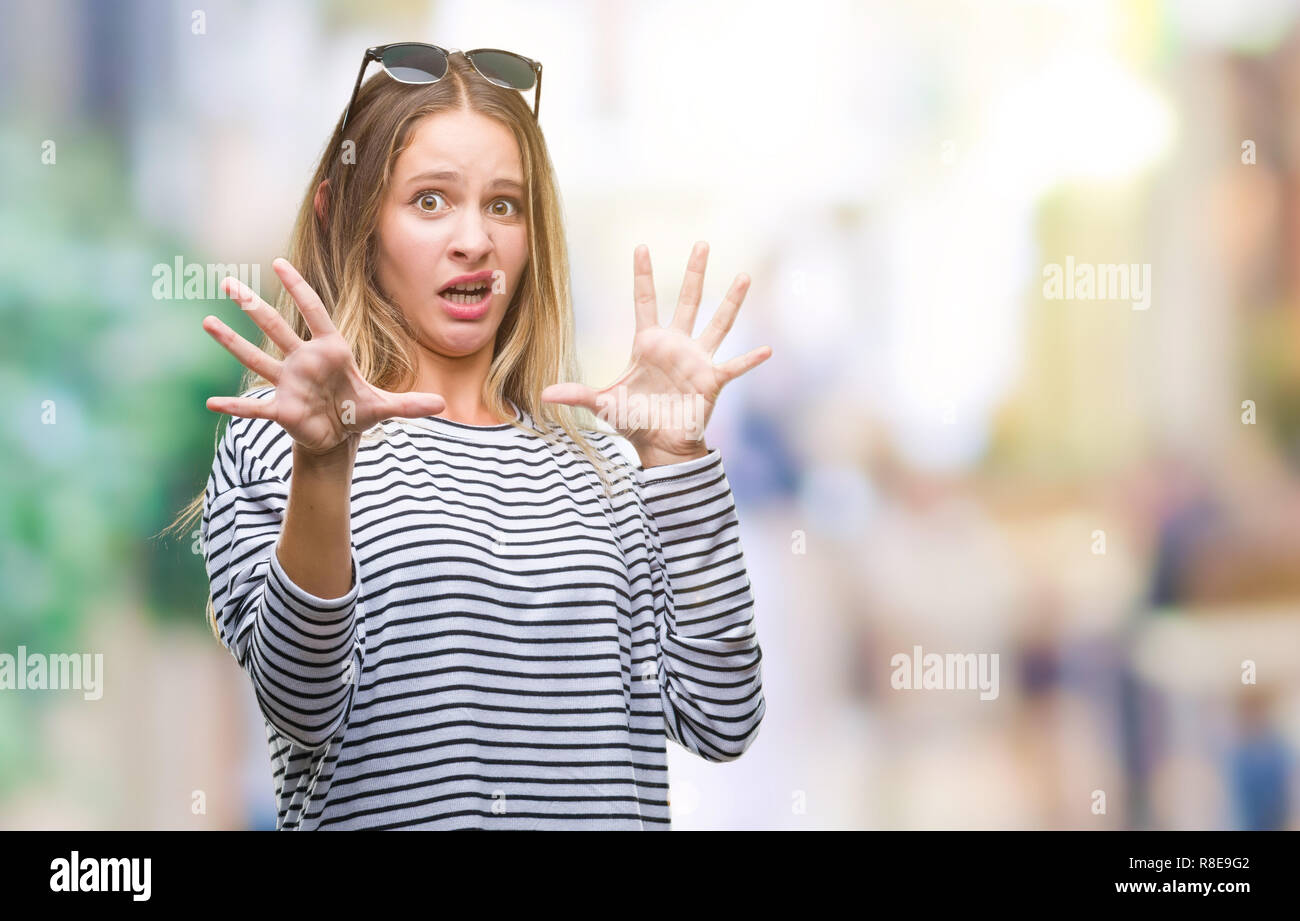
[417, 62]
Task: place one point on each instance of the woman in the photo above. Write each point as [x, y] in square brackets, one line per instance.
[459, 607]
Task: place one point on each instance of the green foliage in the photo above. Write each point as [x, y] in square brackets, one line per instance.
[122, 375]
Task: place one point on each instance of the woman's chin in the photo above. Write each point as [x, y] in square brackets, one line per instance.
[461, 339]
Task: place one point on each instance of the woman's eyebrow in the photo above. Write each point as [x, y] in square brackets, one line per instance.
[453, 176]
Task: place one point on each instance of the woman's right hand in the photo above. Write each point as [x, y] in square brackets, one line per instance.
[320, 397]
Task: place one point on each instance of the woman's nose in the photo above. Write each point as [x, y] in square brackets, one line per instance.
[471, 239]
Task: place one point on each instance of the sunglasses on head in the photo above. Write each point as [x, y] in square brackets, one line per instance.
[417, 62]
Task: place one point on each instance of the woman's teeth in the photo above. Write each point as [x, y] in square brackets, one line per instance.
[457, 297]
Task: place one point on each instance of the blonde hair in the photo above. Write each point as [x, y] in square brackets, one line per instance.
[337, 257]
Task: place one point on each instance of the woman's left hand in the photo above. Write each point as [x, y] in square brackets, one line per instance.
[664, 399]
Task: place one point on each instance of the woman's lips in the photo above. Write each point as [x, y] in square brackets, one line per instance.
[467, 311]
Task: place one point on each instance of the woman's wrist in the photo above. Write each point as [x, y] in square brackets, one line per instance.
[335, 463]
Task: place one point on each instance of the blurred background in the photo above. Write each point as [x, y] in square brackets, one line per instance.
[940, 453]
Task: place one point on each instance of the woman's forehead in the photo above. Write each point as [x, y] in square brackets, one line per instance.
[466, 143]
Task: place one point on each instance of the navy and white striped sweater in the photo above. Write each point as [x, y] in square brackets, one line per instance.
[516, 647]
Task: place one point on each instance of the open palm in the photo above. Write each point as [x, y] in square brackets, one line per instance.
[320, 399]
[663, 400]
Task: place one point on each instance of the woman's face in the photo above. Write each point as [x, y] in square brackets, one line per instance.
[454, 208]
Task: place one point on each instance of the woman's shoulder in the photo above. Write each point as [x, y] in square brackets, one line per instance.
[262, 446]
[613, 446]
[607, 443]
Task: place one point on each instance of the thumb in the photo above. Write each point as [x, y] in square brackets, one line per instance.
[413, 404]
[571, 394]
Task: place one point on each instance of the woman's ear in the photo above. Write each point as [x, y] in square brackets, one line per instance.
[322, 201]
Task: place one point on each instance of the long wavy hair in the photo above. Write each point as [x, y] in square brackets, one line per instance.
[336, 253]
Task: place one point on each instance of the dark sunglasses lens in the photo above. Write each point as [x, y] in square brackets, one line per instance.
[415, 63]
[504, 69]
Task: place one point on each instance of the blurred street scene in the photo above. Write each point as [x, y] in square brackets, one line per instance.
[949, 453]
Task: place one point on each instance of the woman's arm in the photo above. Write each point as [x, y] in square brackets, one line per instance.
[315, 545]
[708, 659]
[290, 617]
[708, 668]
[284, 576]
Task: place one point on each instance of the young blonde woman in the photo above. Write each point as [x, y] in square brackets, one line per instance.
[459, 605]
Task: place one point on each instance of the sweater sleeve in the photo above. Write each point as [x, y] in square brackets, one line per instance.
[302, 652]
[709, 675]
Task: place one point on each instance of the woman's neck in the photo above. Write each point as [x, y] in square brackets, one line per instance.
[459, 381]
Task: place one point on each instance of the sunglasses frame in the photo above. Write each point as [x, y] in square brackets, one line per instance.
[376, 53]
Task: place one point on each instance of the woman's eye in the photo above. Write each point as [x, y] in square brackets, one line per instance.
[425, 197]
[501, 207]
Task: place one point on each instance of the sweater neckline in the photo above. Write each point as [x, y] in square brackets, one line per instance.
[500, 427]
[505, 431]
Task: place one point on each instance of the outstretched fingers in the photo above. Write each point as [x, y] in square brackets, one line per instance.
[643, 289]
[308, 301]
[412, 405]
[688, 301]
[571, 394]
[730, 370]
[246, 407]
[725, 316]
[249, 355]
[262, 313]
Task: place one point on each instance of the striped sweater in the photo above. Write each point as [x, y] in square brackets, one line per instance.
[516, 646]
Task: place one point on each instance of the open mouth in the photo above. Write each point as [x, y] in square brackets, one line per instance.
[467, 295]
